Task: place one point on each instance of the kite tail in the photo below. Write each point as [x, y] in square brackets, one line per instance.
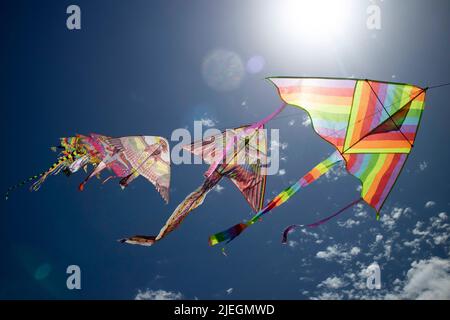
[322, 168]
[192, 201]
[14, 187]
[291, 228]
[99, 168]
[140, 240]
[54, 169]
[227, 235]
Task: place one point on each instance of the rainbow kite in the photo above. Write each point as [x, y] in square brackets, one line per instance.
[372, 124]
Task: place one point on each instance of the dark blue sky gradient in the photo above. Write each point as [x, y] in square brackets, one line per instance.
[135, 69]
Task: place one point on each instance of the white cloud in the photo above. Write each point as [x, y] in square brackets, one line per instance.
[335, 173]
[359, 211]
[338, 253]
[389, 220]
[218, 188]
[387, 251]
[437, 231]
[306, 121]
[207, 122]
[292, 243]
[442, 216]
[423, 165]
[329, 296]
[430, 204]
[291, 122]
[281, 172]
[332, 283]
[440, 239]
[229, 291]
[401, 234]
[330, 253]
[158, 295]
[276, 144]
[349, 223]
[426, 280]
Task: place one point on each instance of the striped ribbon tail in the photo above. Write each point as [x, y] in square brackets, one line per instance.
[322, 168]
[291, 228]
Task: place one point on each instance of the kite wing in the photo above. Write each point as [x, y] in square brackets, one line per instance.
[147, 156]
[246, 163]
[129, 157]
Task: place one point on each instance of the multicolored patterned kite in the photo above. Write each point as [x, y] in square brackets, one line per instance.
[245, 165]
[372, 125]
[127, 157]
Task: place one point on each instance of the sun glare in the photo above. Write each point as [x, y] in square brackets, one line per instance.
[312, 20]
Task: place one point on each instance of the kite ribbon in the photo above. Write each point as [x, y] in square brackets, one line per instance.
[317, 223]
[287, 193]
[245, 132]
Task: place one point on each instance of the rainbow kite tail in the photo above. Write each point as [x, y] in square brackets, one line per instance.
[229, 234]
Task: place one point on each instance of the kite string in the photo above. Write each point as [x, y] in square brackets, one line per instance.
[439, 85]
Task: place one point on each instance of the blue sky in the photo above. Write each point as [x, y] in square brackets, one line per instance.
[138, 67]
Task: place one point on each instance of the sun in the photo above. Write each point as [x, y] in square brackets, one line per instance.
[312, 20]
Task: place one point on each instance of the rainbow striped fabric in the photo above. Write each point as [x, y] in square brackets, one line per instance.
[372, 125]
